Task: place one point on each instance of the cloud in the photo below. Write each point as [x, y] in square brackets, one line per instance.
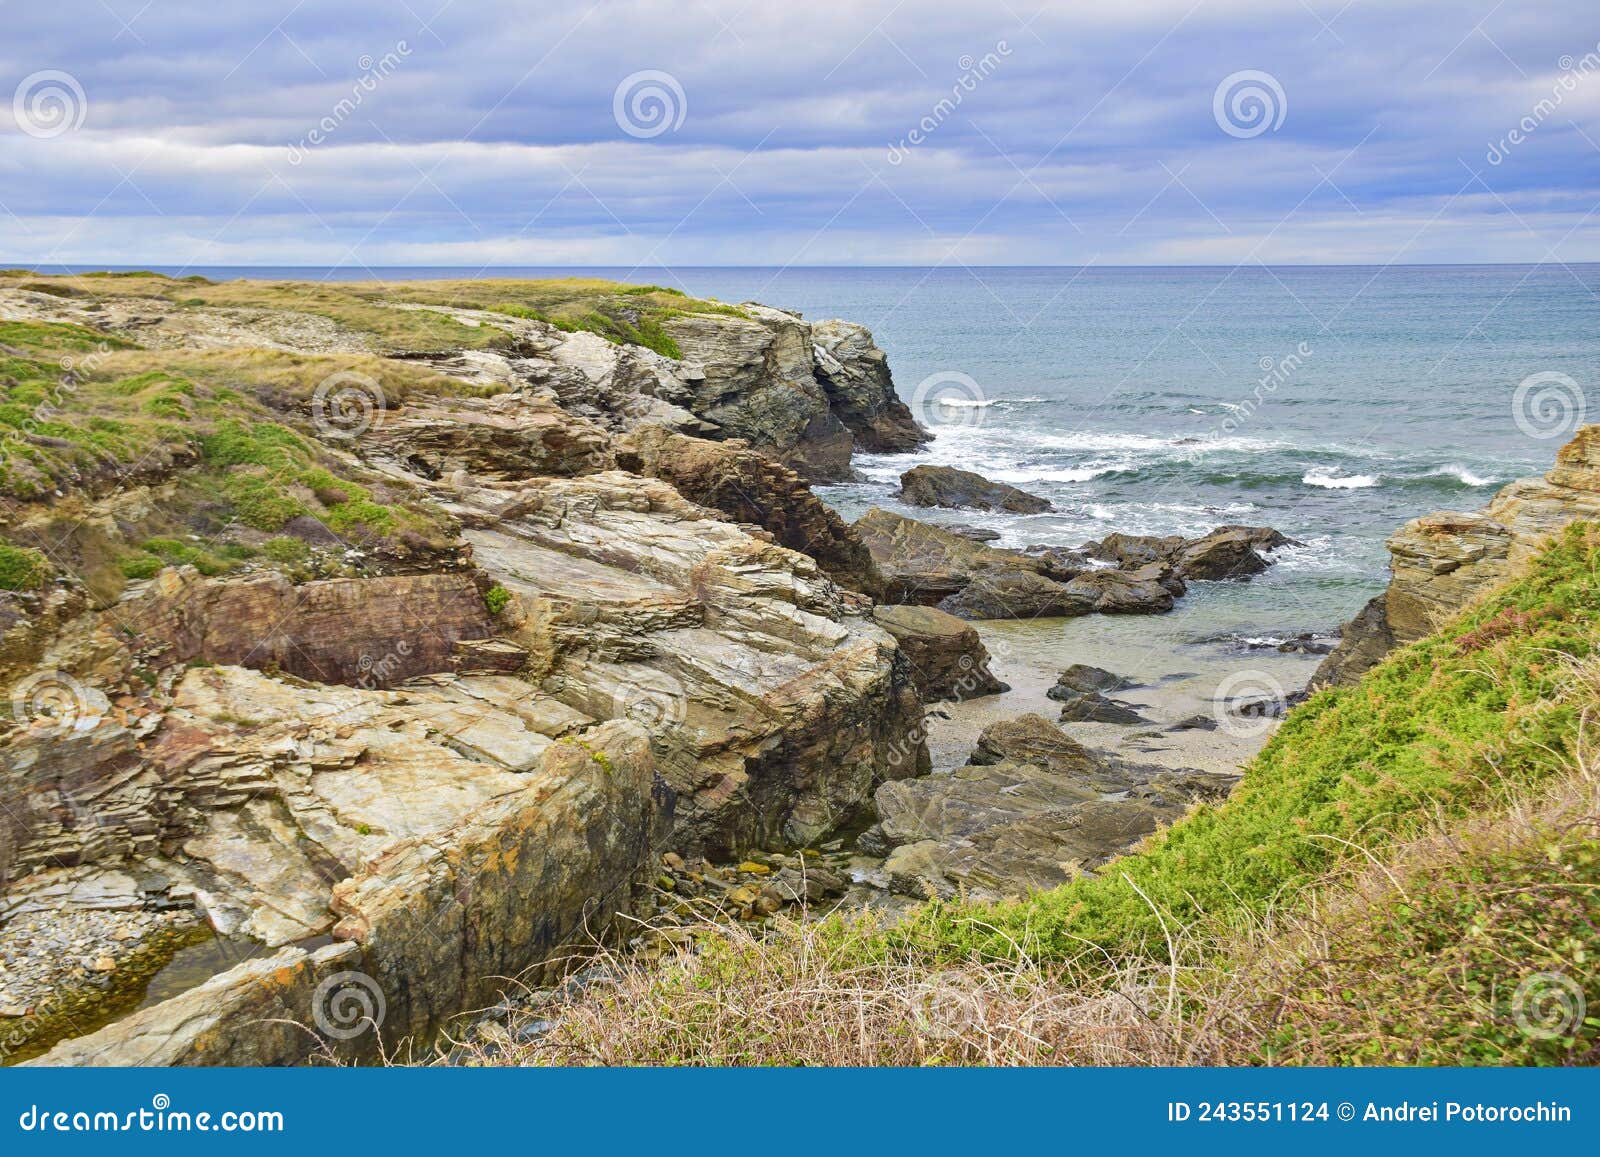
[836, 132]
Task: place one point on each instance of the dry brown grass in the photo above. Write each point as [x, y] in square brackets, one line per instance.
[1412, 959]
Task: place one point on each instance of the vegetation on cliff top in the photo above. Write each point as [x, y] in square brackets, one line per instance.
[1409, 873]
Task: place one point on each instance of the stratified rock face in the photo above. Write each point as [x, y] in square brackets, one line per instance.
[948, 659]
[509, 436]
[776, 705]
[855, 374]
[1031, 810]
[457, 759]
[930, 566]
[436, 872]
[749, 487]
[963, 489]
[1443, 561]
[1228, 552]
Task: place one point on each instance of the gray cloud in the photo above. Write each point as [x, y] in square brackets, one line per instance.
[827, 133]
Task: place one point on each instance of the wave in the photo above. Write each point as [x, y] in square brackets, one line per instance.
[1329, 479]
[1461, 474]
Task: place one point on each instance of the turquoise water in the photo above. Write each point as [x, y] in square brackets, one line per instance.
[1135, 398]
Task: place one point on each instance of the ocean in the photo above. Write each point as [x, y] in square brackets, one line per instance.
[1333, 403]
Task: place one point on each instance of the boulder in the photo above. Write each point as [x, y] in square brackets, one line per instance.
[948, 660]
[1148, 589]
[963, 489]
[926, 564]
[1225, 553]
[1093, 707]
[1036, 810]
[1081, 678]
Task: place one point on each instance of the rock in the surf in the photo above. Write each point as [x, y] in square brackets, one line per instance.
[963, 489]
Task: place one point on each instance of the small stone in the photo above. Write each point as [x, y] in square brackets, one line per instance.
[104, 964]
[750, 867]
[672, 861]
[743, 896]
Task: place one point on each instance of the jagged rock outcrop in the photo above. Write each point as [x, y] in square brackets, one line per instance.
[1443, 561]
[1032, 809]
[1228, 552]
[928, 565]
[802, 396]
[855, 374]
[750, 487]
[452, 744]
[948, 659]
[963, 489]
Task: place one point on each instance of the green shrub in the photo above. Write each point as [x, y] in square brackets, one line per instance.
[22, 569]
[496, 599]
[286, 549]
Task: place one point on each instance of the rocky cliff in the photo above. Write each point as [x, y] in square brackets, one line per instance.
[1442, 561]
[392, 633]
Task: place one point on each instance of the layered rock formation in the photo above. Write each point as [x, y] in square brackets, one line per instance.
[1442, 561]
[1031, 809]
[932, 566]
[441, 686]
[965, 490]
[948, 660]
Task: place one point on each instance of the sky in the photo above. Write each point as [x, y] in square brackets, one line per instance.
[683, 132]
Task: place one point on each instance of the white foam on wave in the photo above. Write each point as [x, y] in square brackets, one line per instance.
[1461, 474]
[1330, 479]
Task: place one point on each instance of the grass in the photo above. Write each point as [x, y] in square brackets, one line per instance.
[1437, 730]
[1467, 946]
[22, 569]
[1408, 873]
[630, 314]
